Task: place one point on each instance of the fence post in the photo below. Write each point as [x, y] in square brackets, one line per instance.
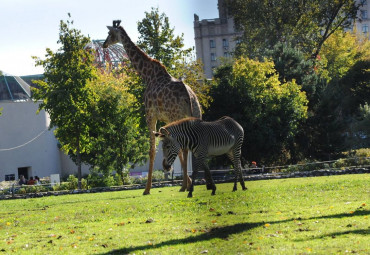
[13, 190]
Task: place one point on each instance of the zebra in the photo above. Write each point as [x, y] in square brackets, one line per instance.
[203, 139]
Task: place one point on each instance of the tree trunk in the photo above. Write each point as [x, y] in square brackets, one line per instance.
[79, 171]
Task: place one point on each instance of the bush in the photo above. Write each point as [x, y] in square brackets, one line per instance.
[99, 180]
[61, 186]
[158, 175]
[72, 182]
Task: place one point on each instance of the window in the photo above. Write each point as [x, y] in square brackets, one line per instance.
[225, 43]
[363, 2]
[213, 56]
[226, 54]
[364, 14]
[365, 29]
[212, 43]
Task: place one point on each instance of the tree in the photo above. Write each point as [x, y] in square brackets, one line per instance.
[268, 110]
[306, 24]
[362, 126]
[341, 52]
[64, 92]
[157, 39]
[291, 64]
[118, 139]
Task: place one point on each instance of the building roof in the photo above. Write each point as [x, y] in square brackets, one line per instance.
[113, 55]
[17, 88]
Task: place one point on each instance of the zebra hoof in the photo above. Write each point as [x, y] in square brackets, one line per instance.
[213, 193]
[245, 188]
[146, 192]
[190, 195]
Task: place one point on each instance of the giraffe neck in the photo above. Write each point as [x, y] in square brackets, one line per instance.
[151, 70]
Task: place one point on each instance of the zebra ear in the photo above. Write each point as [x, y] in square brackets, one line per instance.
[157, 134]
[164, 131]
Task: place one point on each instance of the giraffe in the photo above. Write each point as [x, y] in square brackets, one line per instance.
[165, 98]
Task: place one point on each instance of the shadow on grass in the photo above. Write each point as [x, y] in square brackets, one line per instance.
[219, 232]
[360, 212]
[336, 234]
[225, 231]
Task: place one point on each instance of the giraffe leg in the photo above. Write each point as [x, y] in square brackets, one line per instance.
[186, 183]
[151, 159]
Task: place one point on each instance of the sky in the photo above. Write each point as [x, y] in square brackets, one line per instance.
[28, 27]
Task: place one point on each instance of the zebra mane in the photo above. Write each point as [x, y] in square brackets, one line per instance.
[178, 122]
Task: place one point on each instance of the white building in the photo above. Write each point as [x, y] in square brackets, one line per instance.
[27, 146]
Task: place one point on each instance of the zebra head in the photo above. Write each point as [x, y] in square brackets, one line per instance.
[170, 147]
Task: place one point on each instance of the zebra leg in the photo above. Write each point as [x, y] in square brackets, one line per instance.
[232, 158]
[191, 189]
[235, 188]
[238, 172]
[210, 183]
[208, 177]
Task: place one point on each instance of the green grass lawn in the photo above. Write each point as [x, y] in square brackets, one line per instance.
[322, 215]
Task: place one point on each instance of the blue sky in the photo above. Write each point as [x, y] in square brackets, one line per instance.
[28, 27]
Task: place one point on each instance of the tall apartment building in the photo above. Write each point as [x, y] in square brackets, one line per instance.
[215, 39]
[363, 21]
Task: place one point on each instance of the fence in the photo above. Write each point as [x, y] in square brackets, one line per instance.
[335, 167]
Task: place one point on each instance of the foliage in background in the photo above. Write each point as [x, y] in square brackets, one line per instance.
[341, 52]
[306, 24]
[362, 127]
[347, 88]
[291, 64]
[119, 142]
[64, 92]
[269, 111]
[158, 40]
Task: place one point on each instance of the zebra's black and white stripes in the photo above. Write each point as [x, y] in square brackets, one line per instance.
[204, 139]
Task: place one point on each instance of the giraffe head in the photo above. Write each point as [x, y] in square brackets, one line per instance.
[113, 34]
[170, 147]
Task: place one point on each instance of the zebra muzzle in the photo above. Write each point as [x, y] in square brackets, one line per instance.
[166, 167]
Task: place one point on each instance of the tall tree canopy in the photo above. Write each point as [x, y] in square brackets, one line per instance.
[64, 91]
[306, 24]
[118, 142]
[268, 110]
[158, 40]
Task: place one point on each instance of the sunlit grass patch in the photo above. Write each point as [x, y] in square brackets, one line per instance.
[293, 216]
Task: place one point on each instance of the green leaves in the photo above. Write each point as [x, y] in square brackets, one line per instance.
[64, 93]
[268, 110]
[157, 38]
[118, 139]
[307, 24]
